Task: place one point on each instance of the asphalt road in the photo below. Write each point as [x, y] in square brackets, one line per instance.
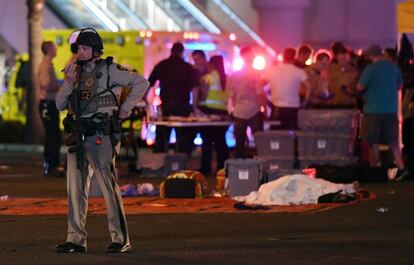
[352, 234]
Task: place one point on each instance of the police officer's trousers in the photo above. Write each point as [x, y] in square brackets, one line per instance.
[99, 162]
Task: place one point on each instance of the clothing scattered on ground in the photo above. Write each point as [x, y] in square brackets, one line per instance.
[144, 189]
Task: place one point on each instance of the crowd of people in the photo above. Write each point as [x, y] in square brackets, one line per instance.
[336, 78]
[305, 79]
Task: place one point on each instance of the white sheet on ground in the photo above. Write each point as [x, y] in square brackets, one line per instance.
[294, 189]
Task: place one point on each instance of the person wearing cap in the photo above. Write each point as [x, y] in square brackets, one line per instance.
[304, 53]
[49, 87]
[177, 79]
[91, 93]
[379, 85]
[342, 78]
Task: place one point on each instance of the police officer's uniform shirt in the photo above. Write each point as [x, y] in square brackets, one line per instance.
[119, 77]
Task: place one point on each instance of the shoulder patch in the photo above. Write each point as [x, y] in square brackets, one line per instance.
[120, 67]
[109, 60]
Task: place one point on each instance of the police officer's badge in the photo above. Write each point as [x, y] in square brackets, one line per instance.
[89, 82]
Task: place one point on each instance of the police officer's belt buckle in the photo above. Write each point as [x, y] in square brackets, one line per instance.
[86, 94]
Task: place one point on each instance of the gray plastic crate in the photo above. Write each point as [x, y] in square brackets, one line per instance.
[324, 145]
[275, 143]
[275, 163]
[244, 176]
[273, 168]
[335, 161]
[338, 121]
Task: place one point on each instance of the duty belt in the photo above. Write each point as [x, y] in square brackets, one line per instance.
[99, 123]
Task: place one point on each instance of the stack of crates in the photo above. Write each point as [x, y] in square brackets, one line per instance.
[276, 152]
[327, 136]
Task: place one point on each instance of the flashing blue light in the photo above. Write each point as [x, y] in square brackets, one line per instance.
[200, 46]
[198, 140]
[230, 140]
[173, 137]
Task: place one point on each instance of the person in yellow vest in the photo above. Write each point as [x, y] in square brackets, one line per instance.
[215, 103]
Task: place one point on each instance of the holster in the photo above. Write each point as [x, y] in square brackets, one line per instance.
[68, 123]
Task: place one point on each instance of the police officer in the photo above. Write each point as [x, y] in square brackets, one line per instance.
[91, 93]
[49, 86]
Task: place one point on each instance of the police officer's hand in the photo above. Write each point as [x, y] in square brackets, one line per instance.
[71, 73]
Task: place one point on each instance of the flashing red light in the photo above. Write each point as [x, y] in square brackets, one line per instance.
[238, 64]
[279, 58]
[150, 142]
[259, 62]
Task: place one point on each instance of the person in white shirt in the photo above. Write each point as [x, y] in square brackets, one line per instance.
[285, 81]
[246, 99]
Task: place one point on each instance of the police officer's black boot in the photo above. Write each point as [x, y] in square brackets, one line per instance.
[118, 248]
[70, 247]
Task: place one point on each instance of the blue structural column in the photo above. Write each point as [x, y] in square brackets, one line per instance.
[281, 22]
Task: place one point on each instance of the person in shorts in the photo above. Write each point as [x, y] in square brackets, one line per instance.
[379, 84]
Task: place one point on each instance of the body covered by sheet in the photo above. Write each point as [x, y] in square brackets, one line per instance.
[294, 189]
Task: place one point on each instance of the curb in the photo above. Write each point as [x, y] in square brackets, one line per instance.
[26, 148]
[21, 148]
